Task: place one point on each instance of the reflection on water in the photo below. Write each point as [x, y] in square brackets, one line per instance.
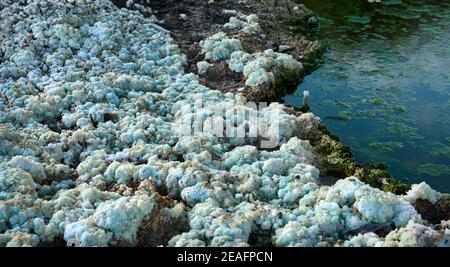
[385, 87]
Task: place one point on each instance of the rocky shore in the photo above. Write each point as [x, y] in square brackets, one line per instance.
[191, 22]
[282, 26]
[89, 155]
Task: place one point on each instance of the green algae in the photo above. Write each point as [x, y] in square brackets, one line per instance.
[377, 175]
[376, 100]
[338, 162]
[342, 103]
[397, 109]
[437, 149]
[384, 88]
[433, 170]
[386, 147]
[400, 129]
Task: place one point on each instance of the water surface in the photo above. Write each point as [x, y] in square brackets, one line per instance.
[384, 87]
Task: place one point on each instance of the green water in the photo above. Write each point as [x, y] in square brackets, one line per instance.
[384, 87]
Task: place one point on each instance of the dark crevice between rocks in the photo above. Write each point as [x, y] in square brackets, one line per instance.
[220, 76]
[120, 3]
[260, 238]
[434, 213]
[159, 227]
[56, 242]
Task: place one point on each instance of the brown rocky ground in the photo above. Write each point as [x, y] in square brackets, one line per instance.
[191, 21]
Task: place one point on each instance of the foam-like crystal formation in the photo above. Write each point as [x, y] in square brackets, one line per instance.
[89, 93]
[247, 24]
